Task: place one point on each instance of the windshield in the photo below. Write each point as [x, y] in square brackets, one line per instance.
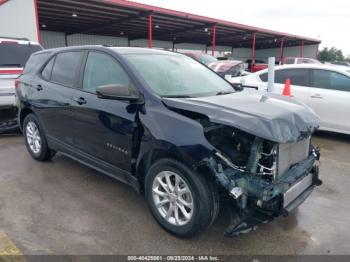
[13, 54]
[178, 75]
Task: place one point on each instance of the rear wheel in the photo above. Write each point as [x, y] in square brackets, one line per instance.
[182, 201]
[35, 139]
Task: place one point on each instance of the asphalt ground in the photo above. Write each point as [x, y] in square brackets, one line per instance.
[63, 207]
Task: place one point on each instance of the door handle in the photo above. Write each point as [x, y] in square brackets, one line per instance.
[80, 100]
[316, 96]
[39, 87]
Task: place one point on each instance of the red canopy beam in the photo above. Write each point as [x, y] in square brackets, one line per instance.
[302, 48]
[281, 50]
[150, 31]
[213, 42]
[253, 52]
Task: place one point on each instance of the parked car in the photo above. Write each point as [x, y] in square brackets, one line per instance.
[172, 128]
[14, 54]
[324, 88]
[258, 65]
[229, 68]
[202, 58]
[341, 63]
[299, 60]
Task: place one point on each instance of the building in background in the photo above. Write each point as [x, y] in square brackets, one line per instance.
[56, 23]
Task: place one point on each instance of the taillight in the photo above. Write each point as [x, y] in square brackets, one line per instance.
[9, 42]
[17, 82]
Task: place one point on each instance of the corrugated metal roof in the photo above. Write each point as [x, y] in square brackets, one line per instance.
[130, 19]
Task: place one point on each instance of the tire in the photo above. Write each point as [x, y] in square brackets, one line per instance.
[202, 202]
[35, 139]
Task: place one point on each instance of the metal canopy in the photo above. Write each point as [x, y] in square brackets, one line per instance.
[132, 20]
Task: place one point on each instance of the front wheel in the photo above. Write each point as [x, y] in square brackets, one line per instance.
[182, 201]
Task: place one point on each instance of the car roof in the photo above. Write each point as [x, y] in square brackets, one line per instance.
[118, 50]
[311, 66]
[140, 50]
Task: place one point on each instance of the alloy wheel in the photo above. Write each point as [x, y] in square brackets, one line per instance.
[172, 198]
[33, 137]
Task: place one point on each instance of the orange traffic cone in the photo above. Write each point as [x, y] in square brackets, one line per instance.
[286, 90]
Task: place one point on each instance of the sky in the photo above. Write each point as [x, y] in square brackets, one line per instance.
[327, 20]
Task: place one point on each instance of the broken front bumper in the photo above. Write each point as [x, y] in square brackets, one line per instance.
[276, 199]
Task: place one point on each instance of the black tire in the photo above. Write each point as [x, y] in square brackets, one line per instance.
[204, 198]
[45, 153]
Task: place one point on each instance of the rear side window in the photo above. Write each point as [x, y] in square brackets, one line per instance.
[35, 61]
[13, 54]
[46, 73]
[102, 69]
[65, 68]
[299, 77]
[330, 80]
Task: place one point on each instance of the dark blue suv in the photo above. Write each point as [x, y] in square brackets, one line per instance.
[172, 129]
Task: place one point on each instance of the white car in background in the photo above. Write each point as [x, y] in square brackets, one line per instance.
[324, 88]
[300, 60]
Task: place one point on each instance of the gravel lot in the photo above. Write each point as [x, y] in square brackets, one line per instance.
[63, 207]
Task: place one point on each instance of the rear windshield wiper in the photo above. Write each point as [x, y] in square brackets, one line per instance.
[176, 96]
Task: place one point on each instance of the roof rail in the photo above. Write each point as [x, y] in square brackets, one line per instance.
[16, 38]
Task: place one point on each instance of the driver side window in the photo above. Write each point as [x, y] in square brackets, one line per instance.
[102, 69]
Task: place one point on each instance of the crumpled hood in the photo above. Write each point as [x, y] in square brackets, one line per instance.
[269, 116]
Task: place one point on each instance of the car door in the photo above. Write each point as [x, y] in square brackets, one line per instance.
[103, 128]
[53, 89]
[299, 79]
[329, 97]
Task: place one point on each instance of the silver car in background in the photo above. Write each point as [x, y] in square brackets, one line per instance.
[14, 54]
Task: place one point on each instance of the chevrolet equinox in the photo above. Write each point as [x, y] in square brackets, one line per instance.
[172, 129]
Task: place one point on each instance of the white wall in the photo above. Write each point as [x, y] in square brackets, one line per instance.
[155, 43]
[50, 39]
[242, 53]
[309, 51]
[18, 19]
[84, 39]
[189, 46]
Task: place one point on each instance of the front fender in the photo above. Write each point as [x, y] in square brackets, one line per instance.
[173, 134]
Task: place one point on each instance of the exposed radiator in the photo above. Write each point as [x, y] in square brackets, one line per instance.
[290, 154]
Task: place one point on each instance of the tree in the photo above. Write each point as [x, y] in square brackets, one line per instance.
[331, 55]
[348, 58]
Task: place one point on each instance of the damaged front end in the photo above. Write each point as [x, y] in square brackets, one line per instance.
[264, 179]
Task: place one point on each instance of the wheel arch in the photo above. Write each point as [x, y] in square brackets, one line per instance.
[148, 159]
[23, 113]
[190, 156]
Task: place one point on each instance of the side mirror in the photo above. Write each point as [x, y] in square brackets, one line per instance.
[116, 92]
